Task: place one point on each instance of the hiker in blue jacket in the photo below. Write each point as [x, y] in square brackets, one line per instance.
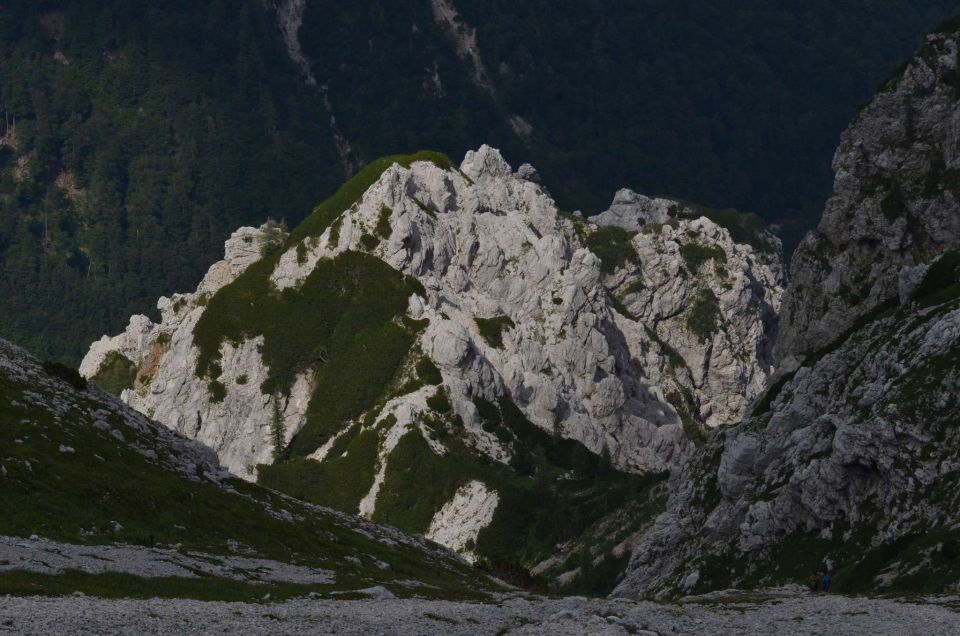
[825, 582]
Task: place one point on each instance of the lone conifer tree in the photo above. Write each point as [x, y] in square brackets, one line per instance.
[277, 430]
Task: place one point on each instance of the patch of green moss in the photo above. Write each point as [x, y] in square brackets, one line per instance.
[339, 481]
[417, 288]
[428, 372]
[620, 308]
[703, 315]
[491, 329]
[383, 228]
[613, 246]
[683, 403]
[217, 391]
[116, 373]
[634, 288]
[334, 237]
[369, 241]
[941, 282]
[439, 401]
[696, 254]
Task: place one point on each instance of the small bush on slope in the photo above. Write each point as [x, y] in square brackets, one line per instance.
[613, 246]
[116, 373]
[696, 254]
[491, 329]
[703, 316]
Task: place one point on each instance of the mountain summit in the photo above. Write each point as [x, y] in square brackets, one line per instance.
[439, 347]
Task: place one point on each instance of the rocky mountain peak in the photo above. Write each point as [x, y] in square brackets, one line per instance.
[456, 311]
[485, 162]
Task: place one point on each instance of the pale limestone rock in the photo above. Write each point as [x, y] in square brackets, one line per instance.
[458, 524]
[134, 343]
[238, 428]
[486, 243]
[728, 369]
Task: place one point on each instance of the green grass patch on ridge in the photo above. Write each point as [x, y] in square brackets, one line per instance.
[339, 482]
[116, 373]
[613, 246]
[696, 254]
[351, 191]
[491, 329]
[703, 316]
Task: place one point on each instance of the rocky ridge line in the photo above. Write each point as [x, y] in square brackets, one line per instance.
[603, 350]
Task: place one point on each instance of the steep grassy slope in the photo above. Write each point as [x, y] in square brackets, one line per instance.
[78, 467]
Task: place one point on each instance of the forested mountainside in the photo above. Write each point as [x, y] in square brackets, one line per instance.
[135, 137]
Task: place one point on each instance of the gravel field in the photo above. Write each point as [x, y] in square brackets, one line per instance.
[52, 557]
[834, 615]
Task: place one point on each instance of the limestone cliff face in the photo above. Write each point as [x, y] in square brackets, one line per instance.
[893, 208]
[850, 461]
[628, 337]
[711, 299]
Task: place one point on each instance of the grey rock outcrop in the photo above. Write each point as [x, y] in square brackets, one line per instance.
[485, 242]
[851, 461]
[712, 302]
[894, 203]
[631, 211]
[854, 454]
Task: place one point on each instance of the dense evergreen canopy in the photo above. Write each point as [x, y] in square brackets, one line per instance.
[146, 132]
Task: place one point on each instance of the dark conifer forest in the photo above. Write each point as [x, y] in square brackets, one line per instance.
[135, 136]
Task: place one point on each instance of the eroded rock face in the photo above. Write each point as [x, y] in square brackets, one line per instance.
[850, 462]
[894, 204]
[711, 300]
[486, 243]
[855, 452]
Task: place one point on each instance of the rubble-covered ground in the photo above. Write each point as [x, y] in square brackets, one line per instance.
[781, 612]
